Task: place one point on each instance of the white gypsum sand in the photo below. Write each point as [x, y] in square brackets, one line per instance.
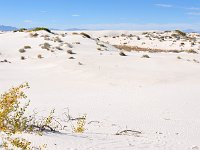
[158, 96]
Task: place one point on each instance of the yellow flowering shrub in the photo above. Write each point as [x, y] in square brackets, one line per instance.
[12, 117]
[80, 126]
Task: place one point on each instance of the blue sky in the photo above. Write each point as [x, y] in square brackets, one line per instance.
[102, 14]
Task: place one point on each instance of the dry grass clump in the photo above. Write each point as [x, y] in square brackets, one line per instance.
[178, 57]
[191, 51]
[71, 58]
[46, 46]
[23, 58]
[70, 52]
[39, 56]
[22, 50]
[78, 43]
[141, 49]
[85, 35]
[196, 61]
[74, 33]
[27, 47]
[68, 45]
[101, 45]
[58, 48]
[33, 35]
[57, 39]
[145, 56]
[122, 53]
[99, 49]
[5, 61]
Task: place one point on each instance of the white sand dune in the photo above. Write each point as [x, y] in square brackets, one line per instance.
[158, 96]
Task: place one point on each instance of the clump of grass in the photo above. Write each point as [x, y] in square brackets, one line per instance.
[46, 46]
[71, 58]
[85, 35]
[57, 39]
[58, 48]
[101, 45]
[74, 33]
[39, 56]
[145, 56]
[196, 61]
[122, 53]
[78, 43]
[70, 52]
[34, 35]
[23, 58]
[22, 50]
[27, 47]
[178, 57]
[99, 49]
[182, 44]
[191, 51]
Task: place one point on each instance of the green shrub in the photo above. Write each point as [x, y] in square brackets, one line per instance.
[41, 28]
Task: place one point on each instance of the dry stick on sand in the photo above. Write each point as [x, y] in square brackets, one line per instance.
[128, 131]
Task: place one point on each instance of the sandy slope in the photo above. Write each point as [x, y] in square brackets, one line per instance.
[158, 96]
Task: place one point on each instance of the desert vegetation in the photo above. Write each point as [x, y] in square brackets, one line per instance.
[41, 29]
[14, 120]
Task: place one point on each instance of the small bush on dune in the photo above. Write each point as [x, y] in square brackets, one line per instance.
[23, 58]
[70, 52]
[179, 57]
[145, 56]
[22, 50]
[58, 48]
[33, 35]
[27, 47]
[46, 46]
[80, 126]
[12, 117]
[85, 35]
[122, 53]
[39, 56]
[57, 39]
[74, 33]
